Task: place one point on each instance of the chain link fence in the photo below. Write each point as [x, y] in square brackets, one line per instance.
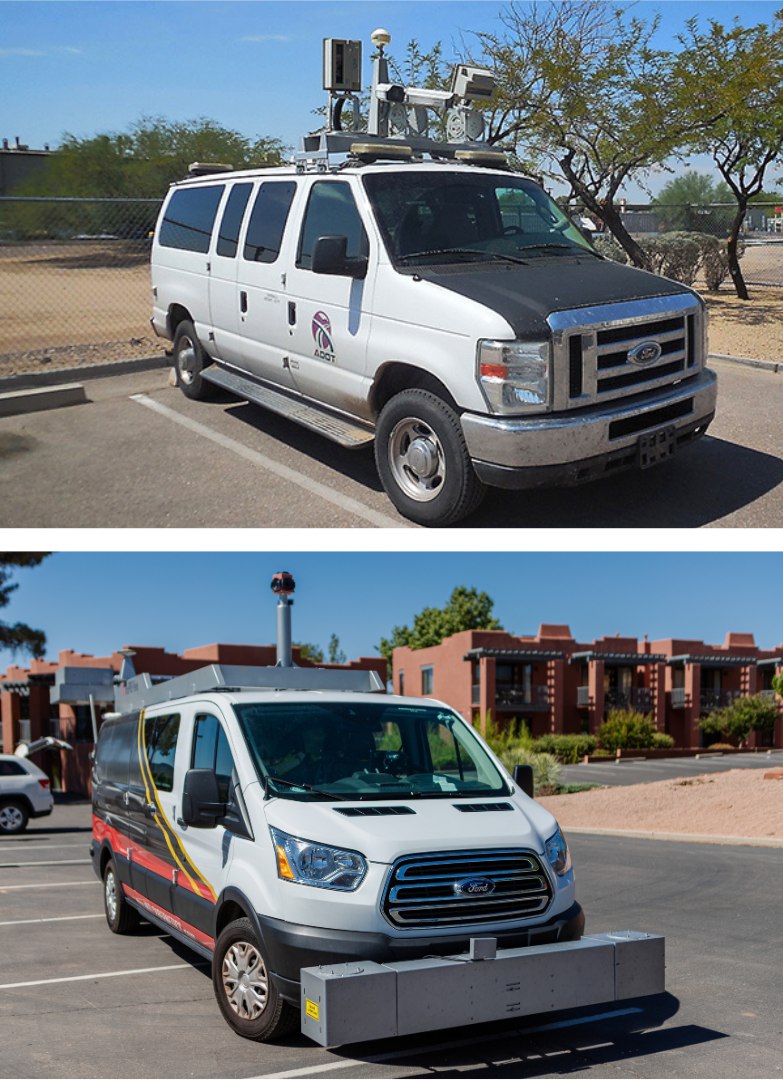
[75, 284]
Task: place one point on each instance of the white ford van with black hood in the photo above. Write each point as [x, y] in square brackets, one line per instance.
[444, 308]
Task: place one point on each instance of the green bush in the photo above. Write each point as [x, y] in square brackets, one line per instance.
[569, 748]
[679, 255]
[546, 767]
[608, 247]
[512, 734]
[625, 729]
[661, 741]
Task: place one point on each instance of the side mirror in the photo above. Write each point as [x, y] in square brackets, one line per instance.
[201, 806]
[523, 778]
[330, 257]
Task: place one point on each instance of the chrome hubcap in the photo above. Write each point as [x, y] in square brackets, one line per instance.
[11, 818]
[416, 459]
[245, 980]
[111, 896]
[186, 360]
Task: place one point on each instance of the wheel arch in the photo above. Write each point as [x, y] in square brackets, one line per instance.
[232, 904]
[177, 313]
[396, 376]
[13, 797]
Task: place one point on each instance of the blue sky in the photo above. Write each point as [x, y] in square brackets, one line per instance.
[253, 65]
[96, 602]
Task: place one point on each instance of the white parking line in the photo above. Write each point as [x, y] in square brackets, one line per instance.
[52, 862]
[101, 975]
[345, 502]
[348, 1063]
[48, 885]
[53, 918]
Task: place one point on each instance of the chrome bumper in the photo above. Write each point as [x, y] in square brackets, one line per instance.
[555, 444]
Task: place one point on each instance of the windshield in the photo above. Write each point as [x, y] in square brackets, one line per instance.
[369, 750]
[454, 216]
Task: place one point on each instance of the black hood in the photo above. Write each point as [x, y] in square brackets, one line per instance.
[526, 295]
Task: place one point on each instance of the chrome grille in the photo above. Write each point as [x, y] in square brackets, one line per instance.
[592, 347]
[420, 891]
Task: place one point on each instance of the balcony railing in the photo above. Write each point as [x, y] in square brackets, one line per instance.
[509, 696]
[678, 697]
[768, 695]
[640, 697]
[718, 699]
[583, 695]
[24, 731]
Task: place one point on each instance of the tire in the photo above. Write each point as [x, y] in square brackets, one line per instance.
[423, 461]
[254, 1009]
[13, 818]
[189, 361]
[121, 917]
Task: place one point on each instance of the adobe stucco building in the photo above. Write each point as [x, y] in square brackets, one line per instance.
[53, 698]
[563, 686]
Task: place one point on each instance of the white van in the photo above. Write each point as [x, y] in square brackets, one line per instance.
[449, 312]
[275, 829]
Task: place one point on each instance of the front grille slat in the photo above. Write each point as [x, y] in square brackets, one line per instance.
[420, 890]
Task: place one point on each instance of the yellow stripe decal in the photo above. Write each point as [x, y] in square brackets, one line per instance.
[178, 853]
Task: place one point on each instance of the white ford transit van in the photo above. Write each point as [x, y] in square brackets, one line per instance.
[446, 309]
[277, 818]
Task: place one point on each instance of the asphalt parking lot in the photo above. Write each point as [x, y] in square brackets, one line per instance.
[141, 454]
[76, 1000]
[642, 770]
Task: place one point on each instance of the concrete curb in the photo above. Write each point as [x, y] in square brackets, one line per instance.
[16, 402]
[767, 365]
[688, 838]
[33, 381]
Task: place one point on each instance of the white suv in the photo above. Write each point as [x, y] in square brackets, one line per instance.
[24, 793]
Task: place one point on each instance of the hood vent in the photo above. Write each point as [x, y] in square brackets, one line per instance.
[373, 811]
[482, 807]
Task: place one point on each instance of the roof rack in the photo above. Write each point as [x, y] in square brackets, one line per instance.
[318, 150]
[140, 693]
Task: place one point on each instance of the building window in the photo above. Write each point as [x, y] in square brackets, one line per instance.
[426, 680]
[83, 723]
[402, 682]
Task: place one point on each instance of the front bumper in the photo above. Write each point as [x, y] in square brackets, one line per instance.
[573, 447]
[291, 947]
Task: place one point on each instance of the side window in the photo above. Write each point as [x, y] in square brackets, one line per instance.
[267, 221]
[331, 211]
[160, 737]
[211, 751]
[189, 218]
[231, 222]
[12, 768]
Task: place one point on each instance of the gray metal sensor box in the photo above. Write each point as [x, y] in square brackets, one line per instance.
[342, 65]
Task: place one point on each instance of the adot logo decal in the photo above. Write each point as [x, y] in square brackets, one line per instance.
[322, 335]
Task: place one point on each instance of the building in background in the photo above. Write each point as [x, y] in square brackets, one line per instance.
[561, 686]
[18, 163]
[54, 698]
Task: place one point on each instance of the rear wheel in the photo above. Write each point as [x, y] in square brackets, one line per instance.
[189, 361]
[423, 461]
[121, 917]
[244, 990]
[13, 817]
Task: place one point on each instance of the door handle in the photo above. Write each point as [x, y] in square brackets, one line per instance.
[291, 313]
[150, 809]
[243, 302]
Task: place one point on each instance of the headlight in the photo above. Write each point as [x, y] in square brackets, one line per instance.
[558, 854]
[316, 864]
[514, 375]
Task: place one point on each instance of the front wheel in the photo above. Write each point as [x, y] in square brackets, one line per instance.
[423, 461]
[244, 990]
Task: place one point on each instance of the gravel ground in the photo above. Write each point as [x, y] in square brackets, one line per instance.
[748, 328]
[735, 803]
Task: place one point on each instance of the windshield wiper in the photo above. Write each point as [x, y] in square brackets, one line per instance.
[301, 787]
[573, 248]
[464, 251]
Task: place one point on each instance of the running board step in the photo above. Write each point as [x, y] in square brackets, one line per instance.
[340, 430]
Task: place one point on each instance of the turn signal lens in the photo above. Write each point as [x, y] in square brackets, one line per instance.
[283, 865]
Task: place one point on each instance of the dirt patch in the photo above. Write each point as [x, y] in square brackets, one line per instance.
[735, 803]
[749, 328]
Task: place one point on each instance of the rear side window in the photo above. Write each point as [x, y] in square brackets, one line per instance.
[160, 738]
[267, 221]
[228, 233]
[12, 768]
[331, 211]
[189, 218]
[116, 744]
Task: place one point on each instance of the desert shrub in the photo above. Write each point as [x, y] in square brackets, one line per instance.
[569, 748]
[502, 737]
[722, 746]
[610, 249]
[546, 767]
[715, 261]
[676, 255]
[626, 729]
[662, 741]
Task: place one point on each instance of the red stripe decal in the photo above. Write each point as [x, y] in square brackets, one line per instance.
[169, 919]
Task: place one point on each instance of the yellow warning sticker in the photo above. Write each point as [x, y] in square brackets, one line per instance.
[311, 1009]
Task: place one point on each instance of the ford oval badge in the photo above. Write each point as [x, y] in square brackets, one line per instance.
[476, 886]
[644, 354]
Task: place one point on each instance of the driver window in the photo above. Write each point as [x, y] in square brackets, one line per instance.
[331, 211]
